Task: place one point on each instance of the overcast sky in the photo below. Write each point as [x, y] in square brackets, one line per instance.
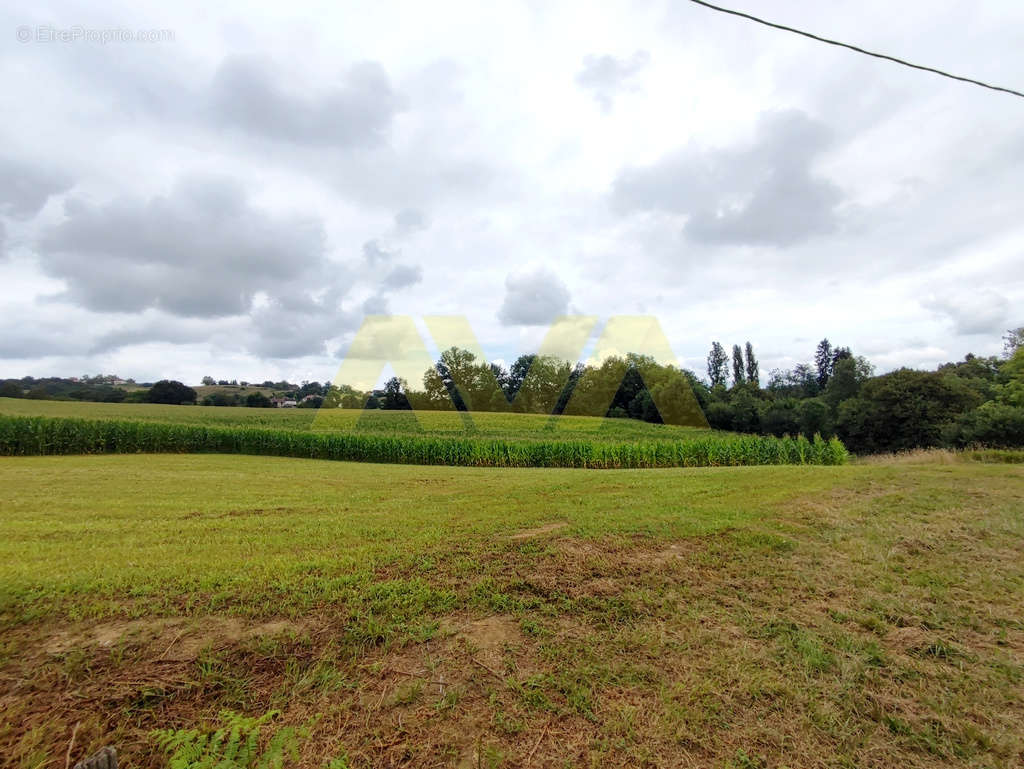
[231, 199]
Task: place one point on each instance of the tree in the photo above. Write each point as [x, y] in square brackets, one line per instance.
[780, 417]
[517, 375]
[718, 371]
[746, 417]
[719, 415]
[904, 409]
[11, 388]
[799, 382]
[455, 368]
[992, 424]
[737, 365]
[1009, 388]
[843, 383]
[394, 395]
[501, 376]
[209, 380]
[171, 391]
[753, 372]
[823, 360]
[1013, 340]
[258, 400]
[813, 414]
[221, 399]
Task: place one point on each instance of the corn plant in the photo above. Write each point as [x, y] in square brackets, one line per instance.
[45, 435]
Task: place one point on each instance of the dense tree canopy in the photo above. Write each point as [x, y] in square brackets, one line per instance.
[171, 391]
[904, 409]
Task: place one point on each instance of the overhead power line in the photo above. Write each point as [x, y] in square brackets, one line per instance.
[857, 49]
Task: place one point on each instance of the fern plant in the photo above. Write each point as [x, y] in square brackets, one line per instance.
[235, 744]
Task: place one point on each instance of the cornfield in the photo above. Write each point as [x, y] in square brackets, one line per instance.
[23, 436]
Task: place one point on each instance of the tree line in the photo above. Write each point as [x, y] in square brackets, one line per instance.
[976, 401]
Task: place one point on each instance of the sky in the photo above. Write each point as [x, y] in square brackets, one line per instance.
[230, 189]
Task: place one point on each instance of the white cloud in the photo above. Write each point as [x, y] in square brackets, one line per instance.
[739, 183]
[533, 299]
[972, 311]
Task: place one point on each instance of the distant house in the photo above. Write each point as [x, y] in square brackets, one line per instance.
[283, 403]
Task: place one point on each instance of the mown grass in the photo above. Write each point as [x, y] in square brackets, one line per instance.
[435, 616]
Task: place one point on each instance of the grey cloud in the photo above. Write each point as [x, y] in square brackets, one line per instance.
[409, 221]
[30, 340]
[25, 188]
[375, 254]
[201, 251]
[170, 330]
[762, 194]
[975, 312]
[376, 305]
[606, 76]
[533, 299]
[358, 113]
[402, 276]
[292, 328]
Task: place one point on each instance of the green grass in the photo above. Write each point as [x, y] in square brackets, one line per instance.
[129, 524]
[424, 423]
[414, 615]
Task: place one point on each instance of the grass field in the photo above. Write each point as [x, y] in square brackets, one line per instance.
[437, 423]
[860, 615]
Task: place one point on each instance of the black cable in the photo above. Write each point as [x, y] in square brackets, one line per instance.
[858, 50]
